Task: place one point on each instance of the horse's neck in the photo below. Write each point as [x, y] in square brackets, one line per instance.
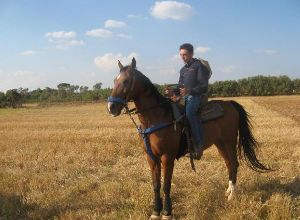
[155, 115]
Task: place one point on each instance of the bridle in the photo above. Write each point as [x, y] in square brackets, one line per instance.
[125, 100]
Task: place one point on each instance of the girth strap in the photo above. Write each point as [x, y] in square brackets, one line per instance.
[144, 133]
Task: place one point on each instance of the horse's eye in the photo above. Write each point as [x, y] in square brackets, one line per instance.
[125, 82]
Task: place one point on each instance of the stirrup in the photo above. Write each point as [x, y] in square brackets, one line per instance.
[194, 155]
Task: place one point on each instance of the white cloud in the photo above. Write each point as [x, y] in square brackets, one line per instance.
[202, 50]
[166, 70]
[135, 16]
[171, 66]
[69, 43]
[114, 24]
[132, 16]
[102, 33]
[23, 73]
[266, 51]
[108, 61]
[125, 36]
[28, 53]
[75, 42]
[61, 34]
[20, 78]
[228, 69]
[63, 39]
[171, 10]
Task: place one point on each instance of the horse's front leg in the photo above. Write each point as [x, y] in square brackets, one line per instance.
[156, 176]
[168, 166]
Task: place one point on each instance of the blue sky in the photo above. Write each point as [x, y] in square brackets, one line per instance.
[44, 43]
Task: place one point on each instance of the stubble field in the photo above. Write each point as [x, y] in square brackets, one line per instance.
[77, 162]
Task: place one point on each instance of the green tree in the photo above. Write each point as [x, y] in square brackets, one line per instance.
[3, 101]
[14, 98]
[97, 86]
[296, 86]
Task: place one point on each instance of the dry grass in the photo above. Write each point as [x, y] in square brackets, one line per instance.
[287, 105]
[76, 162]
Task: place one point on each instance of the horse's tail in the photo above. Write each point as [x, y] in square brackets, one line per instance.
[247, 143]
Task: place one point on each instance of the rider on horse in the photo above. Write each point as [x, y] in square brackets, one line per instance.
[193, 82]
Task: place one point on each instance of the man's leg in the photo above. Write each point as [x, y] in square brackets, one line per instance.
[192, 107]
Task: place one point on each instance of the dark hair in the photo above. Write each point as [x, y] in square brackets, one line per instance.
[188, 47]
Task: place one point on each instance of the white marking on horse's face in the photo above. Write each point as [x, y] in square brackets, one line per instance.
[118, 77]
[114, 112]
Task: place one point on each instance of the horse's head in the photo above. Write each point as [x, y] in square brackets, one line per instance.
[124, 88]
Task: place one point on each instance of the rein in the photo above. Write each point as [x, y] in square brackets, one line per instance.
[134, 111]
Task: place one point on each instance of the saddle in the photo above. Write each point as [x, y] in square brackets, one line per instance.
[210, 110]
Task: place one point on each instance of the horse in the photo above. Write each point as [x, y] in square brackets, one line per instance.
[231, 134]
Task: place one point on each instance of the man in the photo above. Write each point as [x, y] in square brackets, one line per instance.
[193, 83]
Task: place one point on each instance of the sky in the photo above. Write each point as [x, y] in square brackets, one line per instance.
[44, 43]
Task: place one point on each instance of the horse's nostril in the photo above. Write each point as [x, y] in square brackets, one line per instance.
[114, 108]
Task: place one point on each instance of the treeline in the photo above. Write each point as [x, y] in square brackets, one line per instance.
[63, 93]
[256, 86]
[251, 86]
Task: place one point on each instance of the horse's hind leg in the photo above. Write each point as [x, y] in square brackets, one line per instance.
[228, 152]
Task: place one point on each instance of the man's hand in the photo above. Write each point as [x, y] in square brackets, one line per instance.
[184, 91]
[175, 98]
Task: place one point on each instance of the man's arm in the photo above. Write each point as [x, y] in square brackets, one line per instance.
[180, 81]
[202, 86]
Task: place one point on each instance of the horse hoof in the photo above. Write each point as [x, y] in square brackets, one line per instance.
[167, 217]
[154, 217]
[228, 191]
[231, 196]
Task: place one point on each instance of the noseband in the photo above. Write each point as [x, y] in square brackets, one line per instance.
[116, 100]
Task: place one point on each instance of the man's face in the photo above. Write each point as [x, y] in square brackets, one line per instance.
[185, 55]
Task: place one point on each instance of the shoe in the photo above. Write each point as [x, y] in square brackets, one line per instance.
[197, 154]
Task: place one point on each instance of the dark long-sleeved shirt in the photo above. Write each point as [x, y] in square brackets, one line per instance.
[194, 78]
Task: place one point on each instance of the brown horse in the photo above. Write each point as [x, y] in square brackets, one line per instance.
[163, 144]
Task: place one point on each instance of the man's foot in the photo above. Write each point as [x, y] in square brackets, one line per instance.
[197, 154]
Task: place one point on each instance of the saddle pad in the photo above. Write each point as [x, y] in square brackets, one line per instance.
[210, 111]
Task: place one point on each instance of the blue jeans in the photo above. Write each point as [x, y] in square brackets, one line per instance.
[192, 104]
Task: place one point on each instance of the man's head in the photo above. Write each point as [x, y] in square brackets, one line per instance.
[186, 52]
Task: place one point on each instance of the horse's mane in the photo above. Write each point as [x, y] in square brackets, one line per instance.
[165, 102]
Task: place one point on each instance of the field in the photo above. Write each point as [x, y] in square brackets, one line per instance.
[77, 162]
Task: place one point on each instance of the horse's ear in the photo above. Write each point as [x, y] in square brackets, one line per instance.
[133, 63]
[120, 64]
